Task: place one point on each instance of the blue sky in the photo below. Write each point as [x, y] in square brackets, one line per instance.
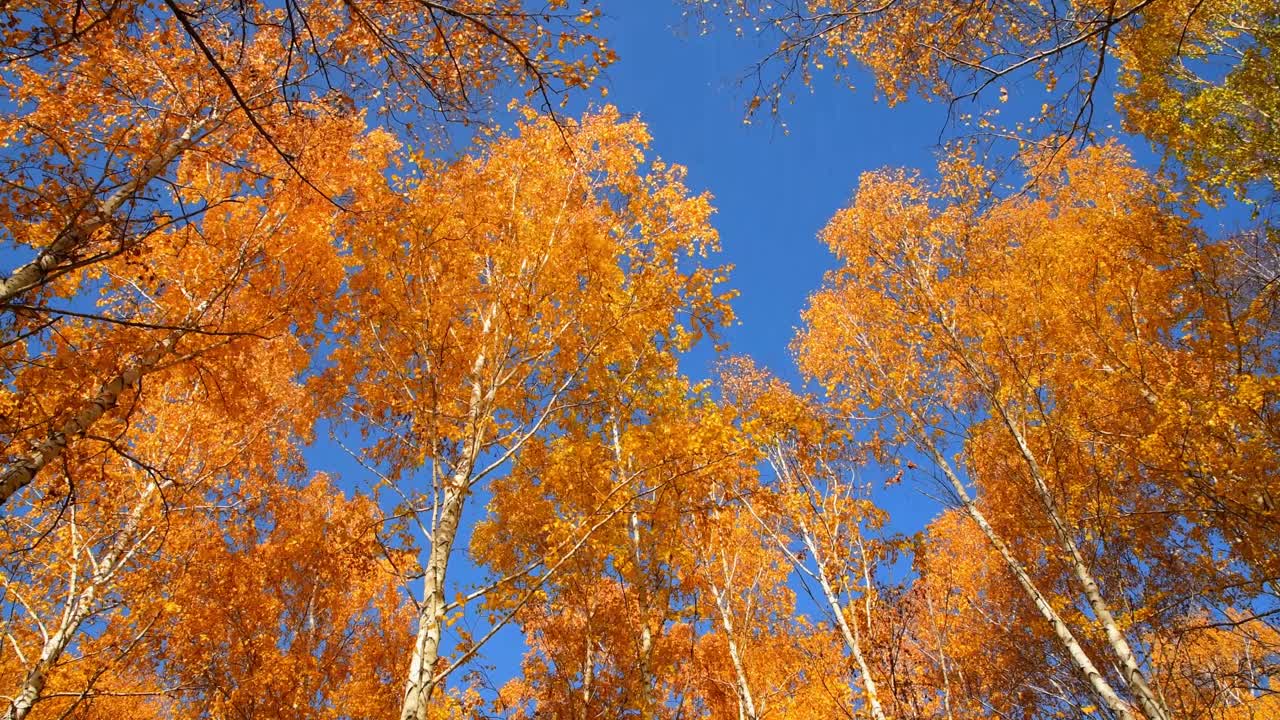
[773, 191]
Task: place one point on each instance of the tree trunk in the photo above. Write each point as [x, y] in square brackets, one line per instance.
[588, 671]
[942, 657]
[1116, 640]
[77, 233]
[426, 649]
[1075, 651]
[23, 471]
[645, 666]
[851, 635]
[75, 614]
[745, 698]
[644, 660]
[422, 678]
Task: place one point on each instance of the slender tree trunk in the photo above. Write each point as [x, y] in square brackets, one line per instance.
[23, 471]
[78, 232]
[852, 638]
[588, 673]
[34, 681]
[1079, 658]
[77, 611]
[942, 657]
[645, 669]
[426, 649]
[1116, 640]
[746, 700]
[868, 590]
[1083, 663]
[645, 652]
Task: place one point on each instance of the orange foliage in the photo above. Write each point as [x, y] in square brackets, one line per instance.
[231, 223]
[1100, 363]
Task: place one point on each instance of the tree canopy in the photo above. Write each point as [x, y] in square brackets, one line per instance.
[356, 366]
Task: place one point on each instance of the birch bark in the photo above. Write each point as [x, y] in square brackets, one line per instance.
[422, 678]
[1116, 640]
[23, 471]
[80, 607]
[1151, 705]
[1079, 658]
[426, 649]
[745, 697]
[851, 635]
[55, 254]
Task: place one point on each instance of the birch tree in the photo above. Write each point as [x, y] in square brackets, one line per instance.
[1016, 318]
[130, 125]
[496, 300]
[615, 624]
[815, 512]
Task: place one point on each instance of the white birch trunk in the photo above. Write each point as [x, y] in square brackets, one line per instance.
[746, 701]
[426, 650]
[942, 657]
[645, 660]
[1079, 658]
[851, 635]
[53, 255]
[645, 668]
[23, 471]
[77, 611]
[588, 675]
[422, 678]
[1116, 640]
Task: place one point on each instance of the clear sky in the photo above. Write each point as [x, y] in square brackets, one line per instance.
[773, 191]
